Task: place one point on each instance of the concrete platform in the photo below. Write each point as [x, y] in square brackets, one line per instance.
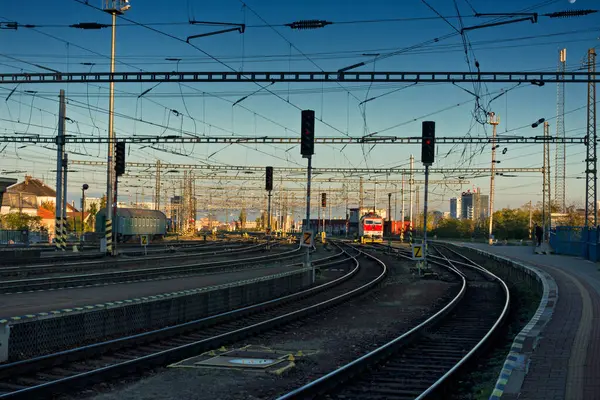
[566, 362]
[18, 304]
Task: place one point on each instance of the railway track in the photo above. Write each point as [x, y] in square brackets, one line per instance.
[121, 263]
[43, 377]
[170, 272]
[420, 363]
[49, 257]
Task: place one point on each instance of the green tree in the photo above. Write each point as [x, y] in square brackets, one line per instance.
[511, 224]
[242, 218]
[454, 228]
[48, 205]
[91, 222]
[573, 217]
[103, 201]
[19, 221]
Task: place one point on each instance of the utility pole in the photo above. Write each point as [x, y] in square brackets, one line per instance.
[390, 213]
[375, 198]
[157, 188]
[60, 151]
[418, 206]
[494, 121]
[292, 212]
[329, 205]
[591, 205]
[114, 7]
[561, 148]
[64, 204]
[360, 197]
[318, 212]
[402, 210]
[347, 210]
[547, 207]
[411, 181]
[530, 219]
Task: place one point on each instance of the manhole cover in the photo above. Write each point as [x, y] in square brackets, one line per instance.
[249, 357]
[252, 361]
[224, 360]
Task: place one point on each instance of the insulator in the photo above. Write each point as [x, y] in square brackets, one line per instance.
[570, 13]
[309, 24]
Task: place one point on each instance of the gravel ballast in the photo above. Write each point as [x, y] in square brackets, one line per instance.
[327, 340]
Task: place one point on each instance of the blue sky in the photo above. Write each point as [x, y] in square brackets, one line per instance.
[516, 47]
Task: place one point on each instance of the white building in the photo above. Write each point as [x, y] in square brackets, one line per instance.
[456, 208]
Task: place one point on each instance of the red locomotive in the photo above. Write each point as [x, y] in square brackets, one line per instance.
[370, 228]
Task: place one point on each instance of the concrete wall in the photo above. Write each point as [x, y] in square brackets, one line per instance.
[505, 268]
[43, 334]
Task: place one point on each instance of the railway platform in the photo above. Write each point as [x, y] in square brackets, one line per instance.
[40, 301]
[566, 361]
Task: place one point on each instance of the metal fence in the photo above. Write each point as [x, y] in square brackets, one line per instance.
[25, 237]
[7, 236]
[576, 241]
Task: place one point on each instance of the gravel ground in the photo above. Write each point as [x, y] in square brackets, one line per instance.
[327, 340]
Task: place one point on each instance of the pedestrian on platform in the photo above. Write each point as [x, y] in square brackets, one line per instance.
[539, 232]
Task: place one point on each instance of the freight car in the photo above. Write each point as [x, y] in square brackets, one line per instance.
[370, 228]
[133, 222]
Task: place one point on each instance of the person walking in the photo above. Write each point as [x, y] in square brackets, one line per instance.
[539, 232]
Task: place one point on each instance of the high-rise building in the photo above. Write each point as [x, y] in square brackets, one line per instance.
[475, 206]
[456, 208]
[484, 206]
[466, 205]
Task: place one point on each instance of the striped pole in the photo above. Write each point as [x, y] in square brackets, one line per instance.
[57, 233]
[108, 236]
[410, 233]
[64, 234]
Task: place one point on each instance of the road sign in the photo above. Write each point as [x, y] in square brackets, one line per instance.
[417, 252]
[144, 242]
[307, 239]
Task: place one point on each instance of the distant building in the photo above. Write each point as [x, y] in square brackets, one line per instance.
[474, 205]
[36, 187]
[456, 208]
[484, 206]
[28, 196]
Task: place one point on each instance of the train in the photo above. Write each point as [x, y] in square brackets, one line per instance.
[130, 223]
[370, 228]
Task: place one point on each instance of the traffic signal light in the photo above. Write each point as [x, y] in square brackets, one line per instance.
[269, 175]
[428, 143]
[323, 200]
[307, 130]
[120, 164]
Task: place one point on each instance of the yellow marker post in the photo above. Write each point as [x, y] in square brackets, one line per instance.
[144, 242]
[307, 239]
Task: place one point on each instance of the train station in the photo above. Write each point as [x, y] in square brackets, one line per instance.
[299, 200]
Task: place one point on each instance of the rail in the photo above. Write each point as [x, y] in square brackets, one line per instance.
[374, 357]
[181, 351]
